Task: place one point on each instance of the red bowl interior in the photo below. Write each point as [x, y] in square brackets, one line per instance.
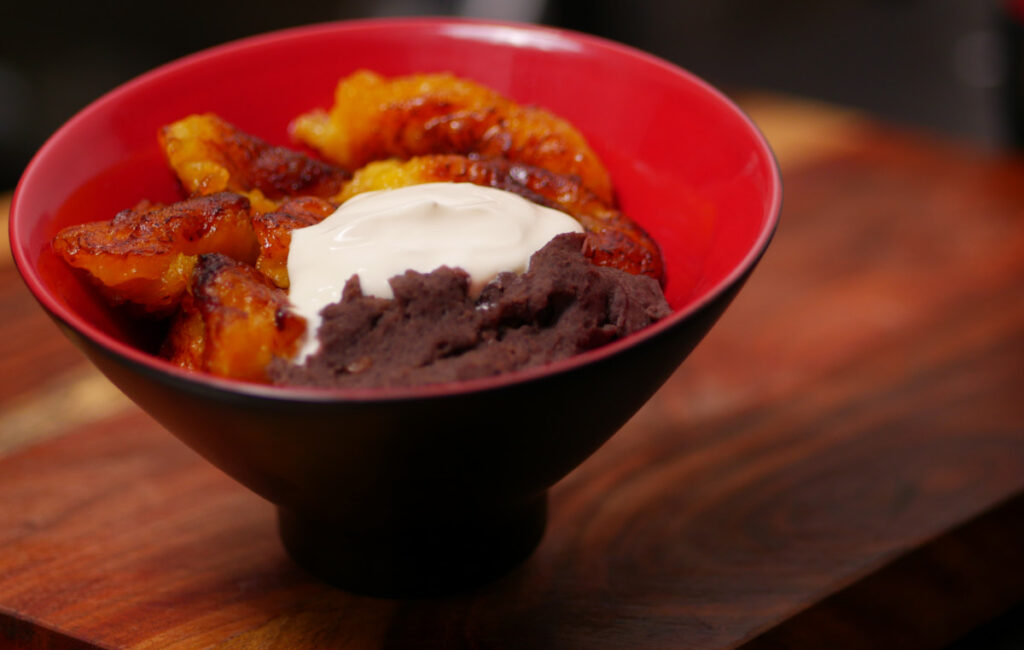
[686, 163]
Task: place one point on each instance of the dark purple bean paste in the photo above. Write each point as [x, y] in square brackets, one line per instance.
[433, 331]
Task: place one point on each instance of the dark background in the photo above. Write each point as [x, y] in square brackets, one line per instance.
[944, 65]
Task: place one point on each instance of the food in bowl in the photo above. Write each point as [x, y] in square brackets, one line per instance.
[220, 262]
[375, 118]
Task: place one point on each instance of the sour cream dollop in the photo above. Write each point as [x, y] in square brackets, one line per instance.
[378, 235]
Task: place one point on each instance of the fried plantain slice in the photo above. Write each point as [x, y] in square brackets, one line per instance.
[232, 322]
[144, 256]
[274, 233]
[374, 118]
[612, 239]
[210, 155]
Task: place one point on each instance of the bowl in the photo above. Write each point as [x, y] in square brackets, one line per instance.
[405, 491]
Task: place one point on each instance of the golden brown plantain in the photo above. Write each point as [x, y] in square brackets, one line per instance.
[232, 322]
[274, 233]
[612, 238]
[210, 155]
[374, 118]
[144, 256]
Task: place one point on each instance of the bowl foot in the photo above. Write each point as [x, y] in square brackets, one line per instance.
[416, 561]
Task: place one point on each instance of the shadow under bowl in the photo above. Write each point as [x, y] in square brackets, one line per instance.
[412, 491]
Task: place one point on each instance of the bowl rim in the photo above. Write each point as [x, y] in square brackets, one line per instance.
[524, 35]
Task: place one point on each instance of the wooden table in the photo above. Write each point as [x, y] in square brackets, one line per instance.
[840, 463]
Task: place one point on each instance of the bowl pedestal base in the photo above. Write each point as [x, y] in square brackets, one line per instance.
[415, 561]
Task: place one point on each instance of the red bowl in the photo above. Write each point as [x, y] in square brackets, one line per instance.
[401, 490]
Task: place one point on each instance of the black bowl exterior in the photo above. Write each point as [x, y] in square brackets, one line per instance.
[400, 470]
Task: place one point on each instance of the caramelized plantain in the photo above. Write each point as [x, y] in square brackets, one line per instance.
[374, 118]
[232, 322]
[612, 238]
[210, 155]
[144, 256]
[274, 233]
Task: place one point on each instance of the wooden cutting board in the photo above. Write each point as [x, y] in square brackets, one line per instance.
[840, 464]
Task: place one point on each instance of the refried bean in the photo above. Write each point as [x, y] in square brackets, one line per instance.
[433, 331]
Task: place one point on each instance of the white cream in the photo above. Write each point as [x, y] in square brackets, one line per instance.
[379, 235]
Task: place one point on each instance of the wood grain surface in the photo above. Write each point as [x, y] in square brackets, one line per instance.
[840, 464]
